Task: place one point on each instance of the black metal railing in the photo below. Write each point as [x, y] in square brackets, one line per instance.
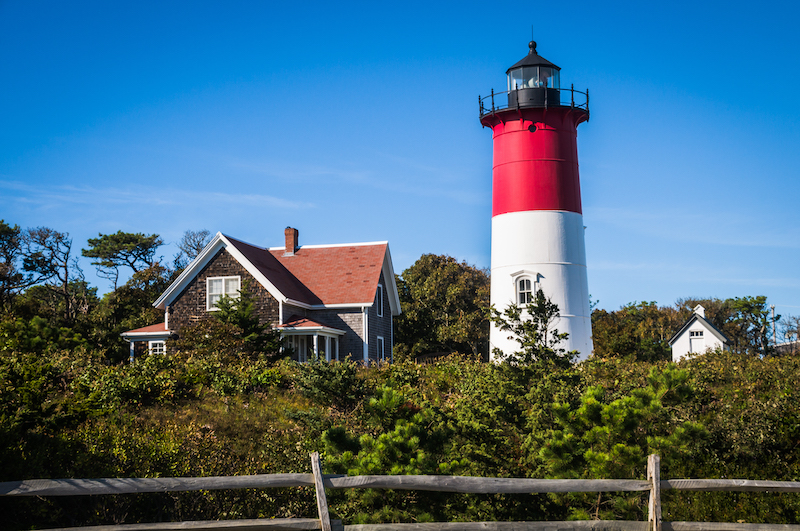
[567, 97]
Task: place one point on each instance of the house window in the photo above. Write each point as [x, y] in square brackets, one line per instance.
[330, 346]
[524, 291]
[380, 348]
[216, 287]
[379, 302]
[696, 333]
[302, 347]
[157, 347]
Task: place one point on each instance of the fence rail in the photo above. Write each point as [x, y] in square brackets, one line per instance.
[460, 484]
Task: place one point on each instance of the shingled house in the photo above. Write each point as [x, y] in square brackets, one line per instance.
[333, 301]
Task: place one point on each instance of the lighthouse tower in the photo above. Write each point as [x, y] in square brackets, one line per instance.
[537, 223]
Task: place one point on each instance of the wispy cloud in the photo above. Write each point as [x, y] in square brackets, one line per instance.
[712, 227]
[400, 175]
[60, 196]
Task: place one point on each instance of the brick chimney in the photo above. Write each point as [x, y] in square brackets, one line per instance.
[291, 241]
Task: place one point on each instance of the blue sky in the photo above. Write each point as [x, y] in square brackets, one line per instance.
[358, 122]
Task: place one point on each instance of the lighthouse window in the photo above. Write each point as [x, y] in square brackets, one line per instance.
[534, 77]
[524, 291]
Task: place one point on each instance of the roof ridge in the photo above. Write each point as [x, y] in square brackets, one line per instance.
[330, 245]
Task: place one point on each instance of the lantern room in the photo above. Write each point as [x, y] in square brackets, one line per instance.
[534, 81]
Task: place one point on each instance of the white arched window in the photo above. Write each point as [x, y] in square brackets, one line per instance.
[525, 290]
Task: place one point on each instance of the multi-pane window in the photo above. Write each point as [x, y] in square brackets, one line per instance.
[524, 291]
[219, 286]
[157, 347]
[695, 333]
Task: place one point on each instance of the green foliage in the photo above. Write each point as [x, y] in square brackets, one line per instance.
[122, 249]
[334, 384]
[218, 404]
[532, 328]
[36, 336]
[612, 438]
[126, 308]
[256, 339]
[13, 276]
[641, 331]
[402, 443]
[444, 305]
[751, 320]
[637, 331]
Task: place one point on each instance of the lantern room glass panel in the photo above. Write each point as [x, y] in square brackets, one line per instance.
[534, 77]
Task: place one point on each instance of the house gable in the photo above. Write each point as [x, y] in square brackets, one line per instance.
[220, 241]
[190, 305]
[696, 336]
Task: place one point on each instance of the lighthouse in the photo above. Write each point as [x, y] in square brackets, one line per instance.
[537, 222]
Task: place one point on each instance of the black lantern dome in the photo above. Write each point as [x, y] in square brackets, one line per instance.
[534, 81]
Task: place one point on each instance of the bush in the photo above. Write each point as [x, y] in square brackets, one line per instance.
[334, 384]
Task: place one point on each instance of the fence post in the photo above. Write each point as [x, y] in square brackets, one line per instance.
[654, 477]
[322, 502]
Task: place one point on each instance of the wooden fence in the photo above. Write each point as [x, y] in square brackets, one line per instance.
[463, 484]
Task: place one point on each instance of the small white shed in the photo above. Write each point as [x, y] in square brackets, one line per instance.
[696, 336]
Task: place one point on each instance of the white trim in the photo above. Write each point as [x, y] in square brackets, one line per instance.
[298, 330]
[389, 278]
[150, 346]
[214, 308]
[391, 340]
[380, 354]
[219, 242]
[195, 266]
[379, 300]
[365, 317]
[250, 268]
[306, 306]
[140, 336]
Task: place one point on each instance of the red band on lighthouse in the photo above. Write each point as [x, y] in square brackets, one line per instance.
[536, 161]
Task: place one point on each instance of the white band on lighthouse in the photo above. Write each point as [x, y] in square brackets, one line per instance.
[546, 247]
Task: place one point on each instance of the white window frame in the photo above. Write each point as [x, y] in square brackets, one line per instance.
[213, 308]
[380, 349]
[531, 292]
[158, 346]
[696, 333]
[379, 301]
[331, 346]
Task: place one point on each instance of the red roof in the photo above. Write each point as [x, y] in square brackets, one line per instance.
[160, 327]
[336, 274]
[297, 321]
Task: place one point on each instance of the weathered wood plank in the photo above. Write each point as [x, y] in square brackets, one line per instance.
[265, 524]
[319, 487]
[481, 485]
[580, 525]
[725, 526]
[731, 485]
[76, 487]
[654, 504]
